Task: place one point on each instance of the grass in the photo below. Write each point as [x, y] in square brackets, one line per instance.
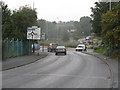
[99, 50]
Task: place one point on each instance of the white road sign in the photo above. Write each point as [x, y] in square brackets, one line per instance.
[34, 33]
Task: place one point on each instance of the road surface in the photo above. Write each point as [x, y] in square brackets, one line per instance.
[74, 70]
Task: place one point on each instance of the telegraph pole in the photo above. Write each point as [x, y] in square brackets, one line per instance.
[110, 5]
[33, 5]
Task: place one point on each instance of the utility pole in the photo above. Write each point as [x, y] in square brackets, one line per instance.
[110, 5]
[47, 28]
[58, 29]
[32, 33]
[33, 4]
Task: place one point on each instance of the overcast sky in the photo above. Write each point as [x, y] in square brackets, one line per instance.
[56, 10]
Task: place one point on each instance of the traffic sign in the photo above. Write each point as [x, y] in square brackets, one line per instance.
[34, 33]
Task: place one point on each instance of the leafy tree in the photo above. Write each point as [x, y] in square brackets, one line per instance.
[77, 33]
[85, 25]
[6, 21]
[111, 30]
[21, 19]
[43, 25]
[98, 10]
[65, 36]
[106, 23]
[49, 28]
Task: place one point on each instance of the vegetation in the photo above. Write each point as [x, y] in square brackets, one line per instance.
[99, 50]
[98, 10]
[109, 30]
[6, 21]
[15, 23]
[83, 27]
[66, 44]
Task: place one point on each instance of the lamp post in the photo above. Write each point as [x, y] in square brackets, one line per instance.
[58, 29]
[110, 5]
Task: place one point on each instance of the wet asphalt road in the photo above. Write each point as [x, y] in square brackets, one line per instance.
[74, 70]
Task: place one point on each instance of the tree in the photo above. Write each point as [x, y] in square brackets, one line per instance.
[6, 21]
[43, 25]
[21, 19]
[65, 36]
[110, 25]
[111, 29]
[85, 25]
[77, 33]
[100, 8]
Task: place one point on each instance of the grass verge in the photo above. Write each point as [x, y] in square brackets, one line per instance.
[99, 51]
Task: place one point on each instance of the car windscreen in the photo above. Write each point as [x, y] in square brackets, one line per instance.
[53, 44]
[80, 46]
[60, 47]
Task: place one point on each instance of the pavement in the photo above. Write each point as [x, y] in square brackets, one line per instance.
[22, 60]
[112, 65]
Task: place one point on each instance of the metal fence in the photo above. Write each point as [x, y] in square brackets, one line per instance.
[13, 48]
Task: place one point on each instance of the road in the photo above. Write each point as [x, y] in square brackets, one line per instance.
[74, 70]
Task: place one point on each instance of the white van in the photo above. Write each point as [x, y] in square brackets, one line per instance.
[81, 47]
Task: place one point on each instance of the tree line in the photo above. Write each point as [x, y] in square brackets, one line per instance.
[15, 23]
[106, 24]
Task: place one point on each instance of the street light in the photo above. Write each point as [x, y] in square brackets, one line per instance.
[110, 5]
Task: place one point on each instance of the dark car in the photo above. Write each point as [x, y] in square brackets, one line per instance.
[52, 47]
[60, 49]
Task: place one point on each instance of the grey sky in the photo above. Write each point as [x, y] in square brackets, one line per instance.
[56, 10]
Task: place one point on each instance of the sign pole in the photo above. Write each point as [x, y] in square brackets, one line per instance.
[33, 33]
[33, 41]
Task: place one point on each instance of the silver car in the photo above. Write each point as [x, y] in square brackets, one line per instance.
[60, 49]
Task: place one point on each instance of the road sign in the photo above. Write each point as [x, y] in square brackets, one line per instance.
[34, 33]
[43, 36]
[29, 33]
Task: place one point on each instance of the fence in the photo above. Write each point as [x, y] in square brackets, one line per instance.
[13, 48]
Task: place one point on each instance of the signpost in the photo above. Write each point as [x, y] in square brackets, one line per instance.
[33, 33]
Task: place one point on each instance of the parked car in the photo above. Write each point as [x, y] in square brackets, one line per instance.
[52, 47]
[60, 49]
[81, 47]
[36, 46]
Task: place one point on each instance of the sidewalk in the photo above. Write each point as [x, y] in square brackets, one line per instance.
[111, 63]
[21, 60]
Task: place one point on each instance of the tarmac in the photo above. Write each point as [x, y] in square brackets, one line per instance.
[28, 59]
[22, 60]
[113, 65]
